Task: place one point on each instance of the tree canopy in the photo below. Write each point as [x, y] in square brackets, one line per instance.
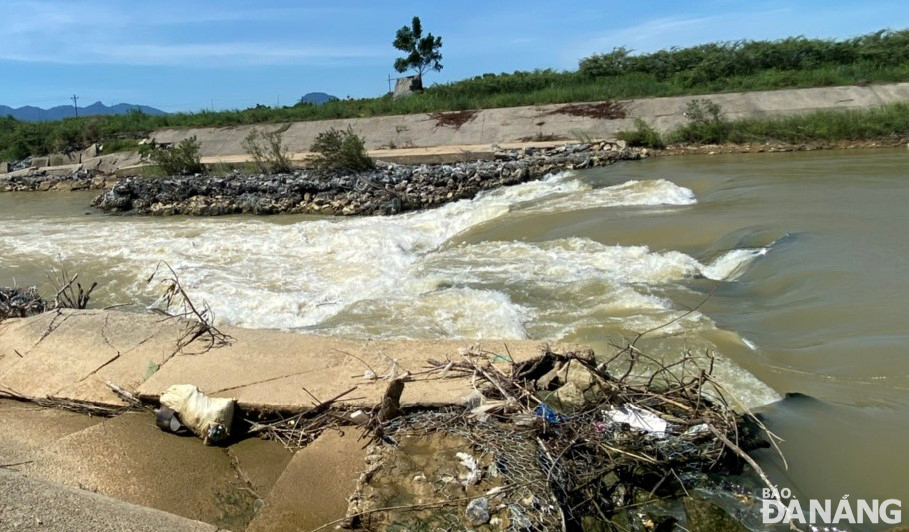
[422, 52]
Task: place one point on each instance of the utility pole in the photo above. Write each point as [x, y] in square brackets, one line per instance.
[75, 99]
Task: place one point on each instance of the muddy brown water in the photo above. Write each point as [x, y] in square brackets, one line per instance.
[804, 258]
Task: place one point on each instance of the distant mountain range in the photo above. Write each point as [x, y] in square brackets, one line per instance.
[317, 98]
[37, 114]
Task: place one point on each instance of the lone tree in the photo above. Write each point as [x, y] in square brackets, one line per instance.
[422, 52]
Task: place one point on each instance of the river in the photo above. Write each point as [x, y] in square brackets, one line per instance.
[798, 261]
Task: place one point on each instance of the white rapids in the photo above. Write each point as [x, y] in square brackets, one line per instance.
[400, 276]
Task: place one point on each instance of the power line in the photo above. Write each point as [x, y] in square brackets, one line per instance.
[75, 100]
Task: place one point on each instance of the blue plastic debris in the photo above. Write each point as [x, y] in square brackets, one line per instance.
[549, 415]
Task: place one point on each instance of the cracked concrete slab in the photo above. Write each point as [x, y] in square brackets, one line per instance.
[275, 370]
[259, 463]
[261, 369]
[129, 458]
[70, 354]
[315, 485]
[27, 429]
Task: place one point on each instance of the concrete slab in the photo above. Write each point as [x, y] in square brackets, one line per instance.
[62, 159]
[268, 369]
[260, 463]
[108, 164]
[130, 459]
[515, 124]
[24, 172]
[31, 504]
[27, 429]
[62, 170]
[324, 474]
[70, 354]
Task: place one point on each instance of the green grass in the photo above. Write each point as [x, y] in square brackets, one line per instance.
[720, 67]
[890, 121]
[116, 145]
[643, 135]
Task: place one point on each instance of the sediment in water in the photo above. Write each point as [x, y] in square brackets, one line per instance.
[389, 189]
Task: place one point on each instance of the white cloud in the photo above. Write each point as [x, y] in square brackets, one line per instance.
[96, 32]
[667, 32]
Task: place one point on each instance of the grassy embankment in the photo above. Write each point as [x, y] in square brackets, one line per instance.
[720, 67]
[708, 125]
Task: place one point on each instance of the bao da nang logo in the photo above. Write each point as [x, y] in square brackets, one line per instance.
[778, 507]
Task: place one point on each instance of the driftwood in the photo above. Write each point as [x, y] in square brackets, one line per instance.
[198, 319]
[299, 430]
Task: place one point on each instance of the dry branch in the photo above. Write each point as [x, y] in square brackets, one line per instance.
[68, 295]
[198, 320]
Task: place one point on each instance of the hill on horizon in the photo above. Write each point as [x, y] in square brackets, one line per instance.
[317, 98]
[36, 114]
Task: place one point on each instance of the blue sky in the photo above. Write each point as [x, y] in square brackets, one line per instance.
[186, 55]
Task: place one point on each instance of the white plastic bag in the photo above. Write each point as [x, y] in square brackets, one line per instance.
[210, 418]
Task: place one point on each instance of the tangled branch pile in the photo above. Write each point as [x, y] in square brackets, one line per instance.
[24, 302]
[20, 303]
[570, 438]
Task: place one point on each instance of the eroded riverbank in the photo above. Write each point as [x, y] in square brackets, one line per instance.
[808, 245]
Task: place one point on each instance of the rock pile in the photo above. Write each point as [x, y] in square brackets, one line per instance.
[68, 180]
[389, 189]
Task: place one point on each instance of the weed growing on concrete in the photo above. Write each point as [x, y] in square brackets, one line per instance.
[707, 123]
[643, 135]
[340, 149]
[268, 151]
[182, 159]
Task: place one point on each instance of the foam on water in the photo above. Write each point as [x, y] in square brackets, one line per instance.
[732, 265]
[655, 192]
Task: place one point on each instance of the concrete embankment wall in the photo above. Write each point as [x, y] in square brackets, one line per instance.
[521, 124]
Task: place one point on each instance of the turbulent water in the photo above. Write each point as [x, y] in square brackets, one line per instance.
[791, 267]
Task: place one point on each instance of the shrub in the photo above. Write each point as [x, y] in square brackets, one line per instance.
[643, 135]
[707, 124]
[338, 149]
[182, 159]
[268, 151]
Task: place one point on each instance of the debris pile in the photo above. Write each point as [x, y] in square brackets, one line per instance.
[20, 303]
[554, 442]
[24, 302]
